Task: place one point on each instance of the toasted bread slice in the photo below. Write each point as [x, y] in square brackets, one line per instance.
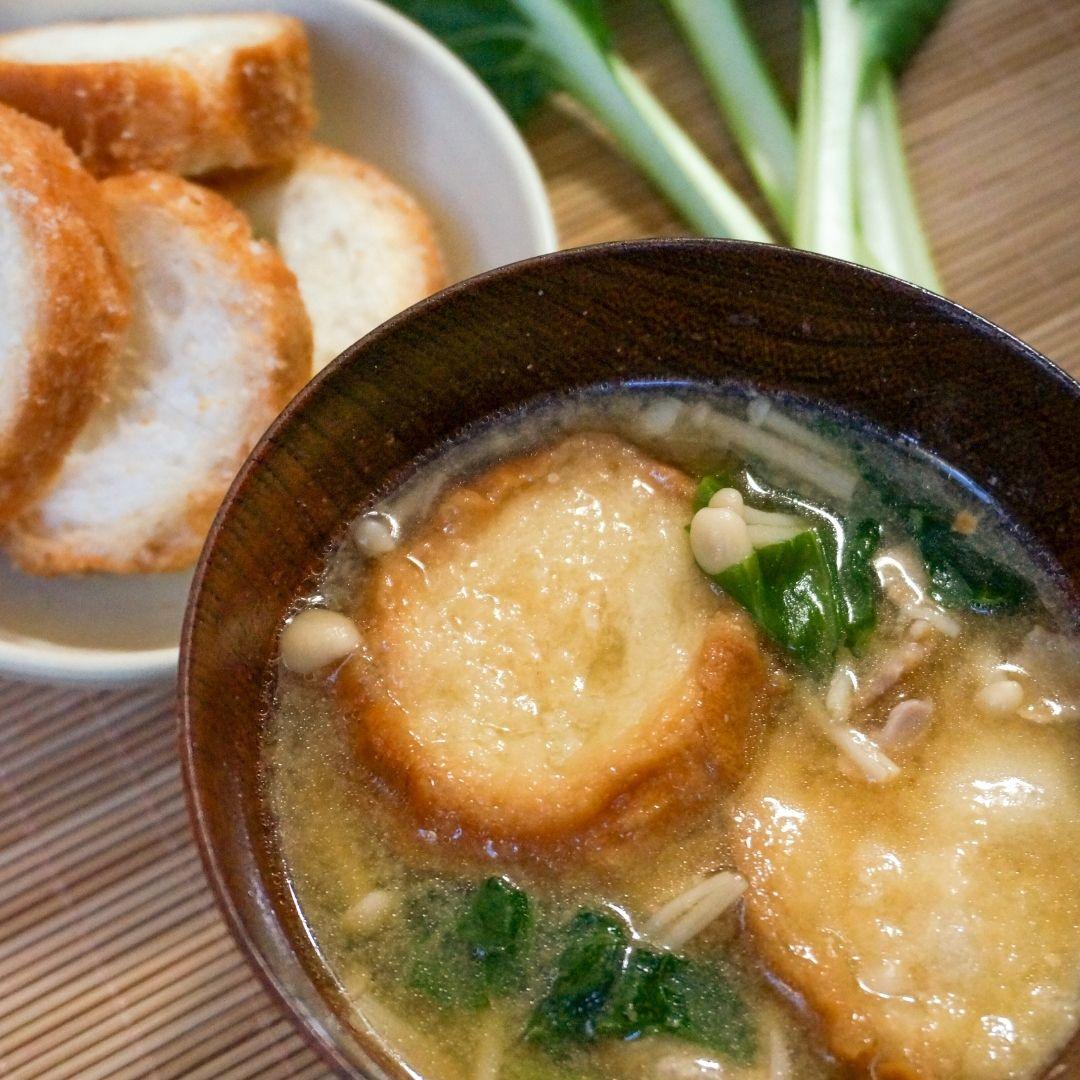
[219, 341]
[544, 656]
[185, 95]
[361, 247]
[63, 304]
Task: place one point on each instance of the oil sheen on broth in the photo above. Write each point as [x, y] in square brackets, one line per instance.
[686, 737]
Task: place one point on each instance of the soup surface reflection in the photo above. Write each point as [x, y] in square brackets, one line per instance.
[686, 736]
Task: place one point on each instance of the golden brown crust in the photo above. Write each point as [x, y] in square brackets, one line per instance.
[81, 310]
[178, 541]
[821, 980]
[127, 116]
[824, 993]
[271, 86]
[405, 266]
[699, 735]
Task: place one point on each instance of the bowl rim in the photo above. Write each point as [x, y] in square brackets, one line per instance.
[313, 1033]
[486, 104]
[46, 661]
[85, 665]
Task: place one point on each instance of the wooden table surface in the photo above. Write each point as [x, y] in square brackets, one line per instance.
[113, 959]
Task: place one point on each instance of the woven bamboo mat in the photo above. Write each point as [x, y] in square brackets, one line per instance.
[113, 959]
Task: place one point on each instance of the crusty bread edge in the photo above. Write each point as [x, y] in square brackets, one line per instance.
[328, 158]
[127, 116]
[82, 310]
[178, 542]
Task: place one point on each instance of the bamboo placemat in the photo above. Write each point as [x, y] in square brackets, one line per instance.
[113, 959]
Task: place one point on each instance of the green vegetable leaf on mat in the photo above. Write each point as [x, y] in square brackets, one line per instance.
[468, 947]
[746, 94]
[490, 36]
[607, 986]
[840, 186]
[854, 196]
[894, 29]
[525, 48]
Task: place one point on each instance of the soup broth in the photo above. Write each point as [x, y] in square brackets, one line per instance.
[687, 735]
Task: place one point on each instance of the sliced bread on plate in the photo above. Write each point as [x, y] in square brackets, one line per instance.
[219, 341]
[63, 304]
[185, 95]
[362, 247]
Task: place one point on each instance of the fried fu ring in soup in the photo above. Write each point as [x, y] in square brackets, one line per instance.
[544, 657]
[930, 923]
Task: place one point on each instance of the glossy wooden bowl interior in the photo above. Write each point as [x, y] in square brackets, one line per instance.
[912, 363]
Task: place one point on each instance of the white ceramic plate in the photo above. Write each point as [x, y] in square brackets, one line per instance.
[390, 93]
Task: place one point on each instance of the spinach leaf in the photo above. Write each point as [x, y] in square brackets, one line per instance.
[607, 986]
[494, 929]
[788, 590]
[802, 613]
[810, 594]
[745, 584]
[647, 997]
[465, 947]
[960, 575]
[850, 545]
[858, 582]
[587, 968]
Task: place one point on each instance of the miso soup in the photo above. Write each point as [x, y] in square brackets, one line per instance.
[675, 735]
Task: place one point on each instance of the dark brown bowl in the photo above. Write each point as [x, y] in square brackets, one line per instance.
[910, 362]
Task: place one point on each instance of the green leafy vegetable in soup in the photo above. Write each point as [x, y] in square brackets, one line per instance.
[468, 948]
[495, 929]
[815, 591]
[961, 576]
[812, 591]
[608, 986]
[858, 590]
[788, 588]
